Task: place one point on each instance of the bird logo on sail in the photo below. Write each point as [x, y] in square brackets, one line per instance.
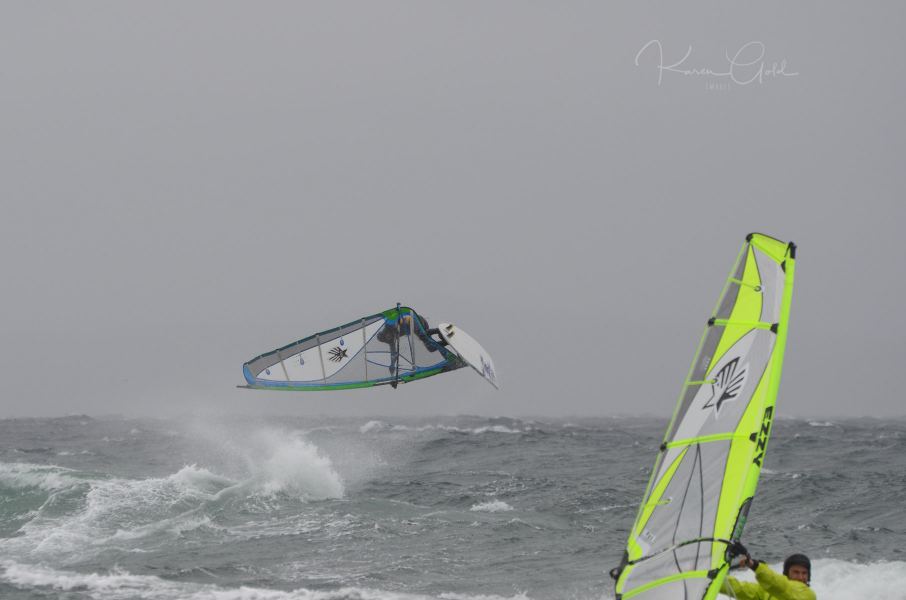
[726, 385]
[337, 354]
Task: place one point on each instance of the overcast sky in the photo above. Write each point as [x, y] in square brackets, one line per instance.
[186, 185]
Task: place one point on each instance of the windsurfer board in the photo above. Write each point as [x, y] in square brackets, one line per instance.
[469, 350]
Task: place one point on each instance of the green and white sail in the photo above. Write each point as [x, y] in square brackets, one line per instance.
[706, 472]
[393, 346]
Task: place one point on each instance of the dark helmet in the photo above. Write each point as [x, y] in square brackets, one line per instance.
[797, 559]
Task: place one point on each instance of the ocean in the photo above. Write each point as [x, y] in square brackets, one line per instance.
[453, 508]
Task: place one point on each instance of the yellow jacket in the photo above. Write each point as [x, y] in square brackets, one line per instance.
[770, 586]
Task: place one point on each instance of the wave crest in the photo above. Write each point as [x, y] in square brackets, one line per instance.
[48, 478]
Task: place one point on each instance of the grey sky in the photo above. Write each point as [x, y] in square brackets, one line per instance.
[187, 185]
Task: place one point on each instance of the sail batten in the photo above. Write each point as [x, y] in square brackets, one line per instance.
[704, 439]
[706, 472]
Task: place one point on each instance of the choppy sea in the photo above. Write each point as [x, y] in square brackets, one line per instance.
[456, 508]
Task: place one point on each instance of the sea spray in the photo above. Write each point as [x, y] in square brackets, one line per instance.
[270, 460]
[295, 466]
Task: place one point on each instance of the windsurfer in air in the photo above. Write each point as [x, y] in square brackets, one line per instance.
[391, 335]
[792, 585]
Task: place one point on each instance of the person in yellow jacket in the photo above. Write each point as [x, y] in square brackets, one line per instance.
[792, 585]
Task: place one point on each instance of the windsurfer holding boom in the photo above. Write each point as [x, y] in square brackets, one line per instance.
[792, 585]
[391, 334]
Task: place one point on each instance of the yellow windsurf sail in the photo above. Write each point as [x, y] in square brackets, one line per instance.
[707, 469]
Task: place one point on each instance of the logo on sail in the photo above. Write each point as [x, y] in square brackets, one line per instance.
[337, 354]
[726, 385]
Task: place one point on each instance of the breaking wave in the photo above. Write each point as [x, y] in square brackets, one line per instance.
[67, 514]
[49, 478]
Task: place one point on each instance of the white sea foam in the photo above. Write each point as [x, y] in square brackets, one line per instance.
[492, 506]
[193, 477]
[841, 580]
[188, 521]
[119, 584]
[49, 478]
[114, 585]
[834, 579]
[121, 509]
[822, 424]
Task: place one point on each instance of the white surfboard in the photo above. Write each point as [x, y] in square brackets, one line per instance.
[469, 350]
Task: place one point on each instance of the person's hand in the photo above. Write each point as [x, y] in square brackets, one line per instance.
[737, 549]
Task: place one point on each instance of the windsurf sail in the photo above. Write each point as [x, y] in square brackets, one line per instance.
[706, 472]
[391, 347]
